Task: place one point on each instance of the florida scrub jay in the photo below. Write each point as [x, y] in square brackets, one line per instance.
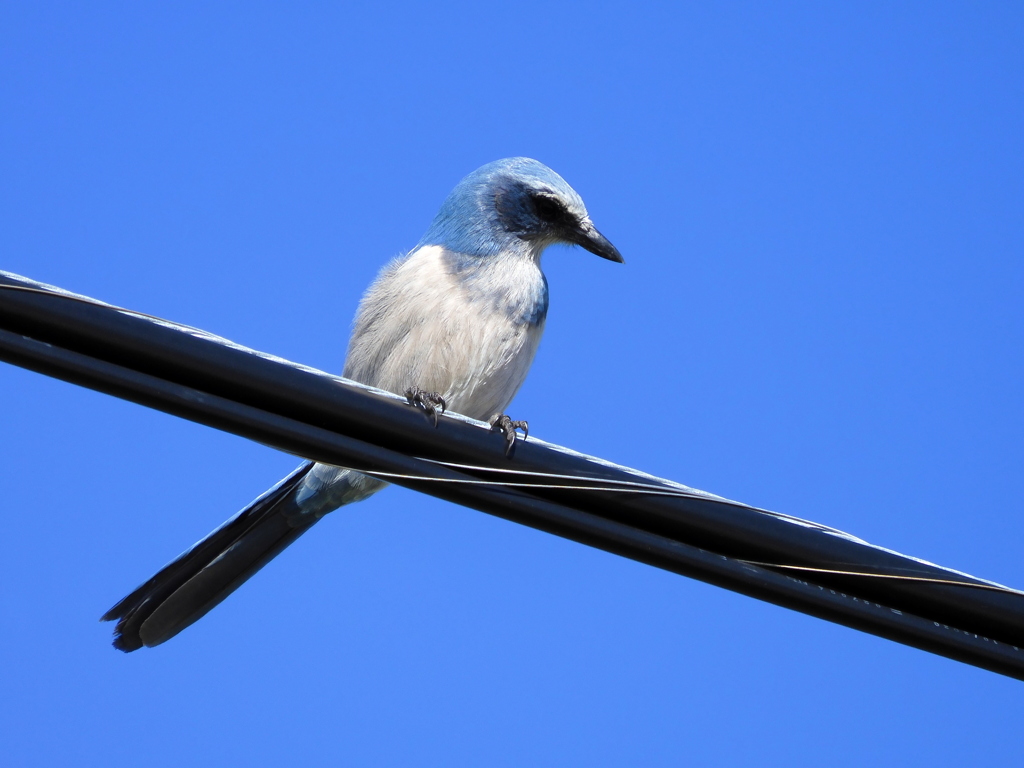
[454, 323]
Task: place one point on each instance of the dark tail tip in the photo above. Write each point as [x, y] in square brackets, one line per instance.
[197, 581]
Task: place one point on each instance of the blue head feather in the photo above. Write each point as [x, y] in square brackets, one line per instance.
[494, 210]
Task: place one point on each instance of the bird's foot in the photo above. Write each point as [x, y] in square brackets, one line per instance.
[507, 427]
[428, 401]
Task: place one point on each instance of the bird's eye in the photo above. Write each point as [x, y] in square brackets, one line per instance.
[548, 209]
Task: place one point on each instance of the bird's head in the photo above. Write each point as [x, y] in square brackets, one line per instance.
[515, 205]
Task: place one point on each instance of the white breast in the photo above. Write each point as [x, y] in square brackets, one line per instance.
[422, 325]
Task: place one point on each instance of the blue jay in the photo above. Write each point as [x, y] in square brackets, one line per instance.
[455, 323]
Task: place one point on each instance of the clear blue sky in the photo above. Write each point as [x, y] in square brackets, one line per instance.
[821, 207]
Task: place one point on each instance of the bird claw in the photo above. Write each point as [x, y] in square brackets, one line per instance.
[428, 401]
[507, 427]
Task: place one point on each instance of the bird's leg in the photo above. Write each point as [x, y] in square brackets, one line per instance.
[428, 401]
[507, 427]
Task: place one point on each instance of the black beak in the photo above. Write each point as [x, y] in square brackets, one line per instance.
[588, 236]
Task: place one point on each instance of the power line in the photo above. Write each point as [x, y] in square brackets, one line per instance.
[790, 562]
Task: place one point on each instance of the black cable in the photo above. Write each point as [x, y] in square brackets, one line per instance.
[799, 565]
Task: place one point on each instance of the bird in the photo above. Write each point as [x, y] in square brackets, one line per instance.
[452, 324]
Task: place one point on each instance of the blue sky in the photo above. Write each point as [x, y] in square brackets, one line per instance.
[820, 207]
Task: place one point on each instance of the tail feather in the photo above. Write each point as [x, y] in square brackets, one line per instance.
[194, 583]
